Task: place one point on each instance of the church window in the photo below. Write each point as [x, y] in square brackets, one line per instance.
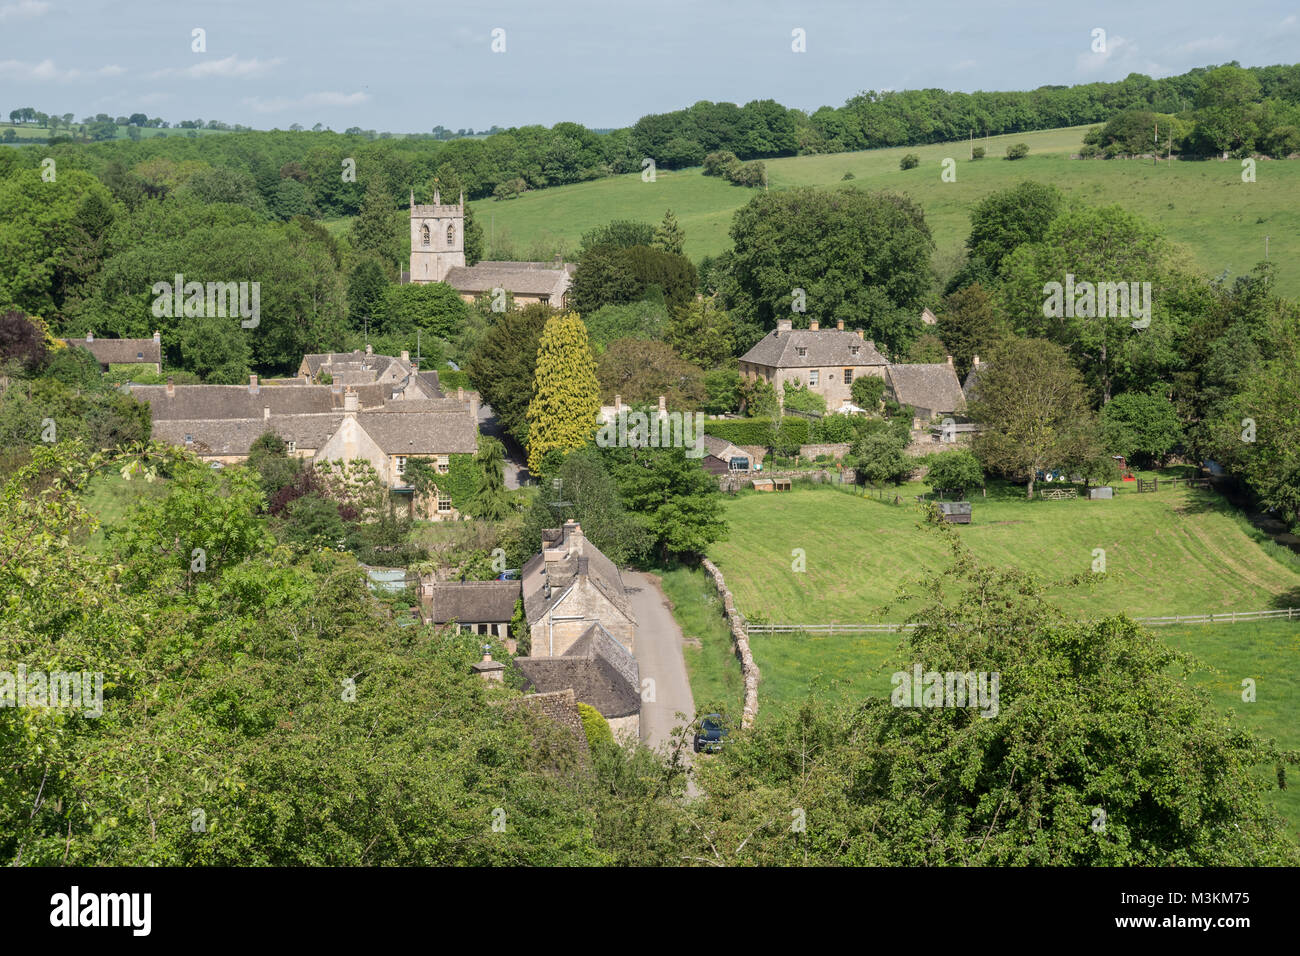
[451, 234]
[424, 234]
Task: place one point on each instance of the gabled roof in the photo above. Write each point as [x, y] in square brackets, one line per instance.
[932, 387]
[473, 602]
[520, 278]
[121, 351]
[601, 672]
[194, 402]
[824, 347]
[722, 449]
[235, 436]
[448, 432]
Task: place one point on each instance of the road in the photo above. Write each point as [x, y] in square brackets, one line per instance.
[659, 654]
[516, 471]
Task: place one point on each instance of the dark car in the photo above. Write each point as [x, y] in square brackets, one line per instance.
[710, 737]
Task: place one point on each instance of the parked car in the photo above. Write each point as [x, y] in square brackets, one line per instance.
[711, 735]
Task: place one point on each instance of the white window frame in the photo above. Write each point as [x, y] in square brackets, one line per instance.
[812, 377]
[442, 464]
[444, 500]
[400, 465]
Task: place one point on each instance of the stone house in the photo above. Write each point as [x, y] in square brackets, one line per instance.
[931, 389]
[107, 352]
[478, 607]
[581, 627]
[826, 361]
[377, 421]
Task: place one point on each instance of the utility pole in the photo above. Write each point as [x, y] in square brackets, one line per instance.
[1266, 247]
[417, 346]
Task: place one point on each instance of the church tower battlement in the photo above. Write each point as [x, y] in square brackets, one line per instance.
[437, 238]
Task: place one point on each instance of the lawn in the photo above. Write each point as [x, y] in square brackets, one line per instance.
[711, 665]
[1204, 206]
[110, 497]
[1177, 551]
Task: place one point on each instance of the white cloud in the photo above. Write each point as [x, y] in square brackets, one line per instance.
[23, 10]
[1216, 44]
[327, 98]
[230, 66]
[47, 72]
[1120, 53]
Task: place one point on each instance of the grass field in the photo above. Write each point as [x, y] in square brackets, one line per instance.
[1204, 206]
[1173, 552]
[714, 673]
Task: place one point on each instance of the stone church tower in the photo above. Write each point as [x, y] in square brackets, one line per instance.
[437, 239]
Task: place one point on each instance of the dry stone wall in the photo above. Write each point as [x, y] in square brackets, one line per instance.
[740, 640]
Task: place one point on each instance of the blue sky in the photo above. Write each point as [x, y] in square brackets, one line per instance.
[407, 67]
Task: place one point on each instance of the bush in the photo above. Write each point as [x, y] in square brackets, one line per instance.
[802, 399]
[759, 431]
[954, 471]
[977, 152]
[866, 391]
[846, 177]
[910, 161]
[1018, 151]
[595, 726]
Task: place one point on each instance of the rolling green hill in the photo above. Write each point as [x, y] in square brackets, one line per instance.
[1204, 206]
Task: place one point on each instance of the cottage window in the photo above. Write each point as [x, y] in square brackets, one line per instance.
[189, 439]
[812, 377]
[401, 464]
[441, 463]
[444, 503]
[853, 349]
[802, 352]
[293, 447]
[848, 376]
[424, 234]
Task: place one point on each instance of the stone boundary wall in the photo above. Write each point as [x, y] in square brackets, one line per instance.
[740, 638]
[836, 450]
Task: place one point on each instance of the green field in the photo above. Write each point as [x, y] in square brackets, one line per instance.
[28, 133]
[1204, 206]
[1173, 552]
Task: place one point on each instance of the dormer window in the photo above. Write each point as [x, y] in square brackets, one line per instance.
[854, 349]
[802, 352]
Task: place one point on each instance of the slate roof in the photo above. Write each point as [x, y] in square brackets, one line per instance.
[723, 449]
[121, 351]
[825, 347]
[932, 387]
[521, 278]
[473, 602]
[599, 670]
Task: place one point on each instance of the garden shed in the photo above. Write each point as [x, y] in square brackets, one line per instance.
[955, 512]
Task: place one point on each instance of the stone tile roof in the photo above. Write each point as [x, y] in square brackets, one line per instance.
[194, 402]
[431, 385]
[824, 347]
[121, 351]
[598, 669]
[235, 436]
[473, 602]
[932, 387]
[723, 449]
[558, 709]
[521, 278]
[421, 433]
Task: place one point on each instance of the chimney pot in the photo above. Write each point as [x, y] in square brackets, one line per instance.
[157, 338]
[253, 387]
[782, 325]
[663, 405]
[814, 326]
[839, 324]
[90, 336]
[860, 332]
[406, 356]
[171, 388]
[351, 402]
[950, 360]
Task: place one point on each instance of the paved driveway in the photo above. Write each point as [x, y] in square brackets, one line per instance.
[659, 654]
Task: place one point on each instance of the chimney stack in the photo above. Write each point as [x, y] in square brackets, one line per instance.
[406, 356]
[171, 388]
[975, 360]
[782, 325]
[814, 325]
[351, 402]
[487, 668]
[266, 413]
[860, 332]
[90, 336]
[157, 338]
[618, 404]
[839, 324]
[950, 361]
[370, 349]
[460, 394]
[663, 407]
[253, 387]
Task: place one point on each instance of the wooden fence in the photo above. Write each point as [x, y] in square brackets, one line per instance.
[846, 630]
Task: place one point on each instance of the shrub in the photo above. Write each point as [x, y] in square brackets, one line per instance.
[846, 177]
[977, 152]
[1018, 151]
[595, 726]
[910, 161]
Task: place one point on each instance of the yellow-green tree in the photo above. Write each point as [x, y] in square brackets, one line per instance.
[566, 395]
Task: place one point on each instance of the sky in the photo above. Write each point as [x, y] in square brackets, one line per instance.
[410, 66]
